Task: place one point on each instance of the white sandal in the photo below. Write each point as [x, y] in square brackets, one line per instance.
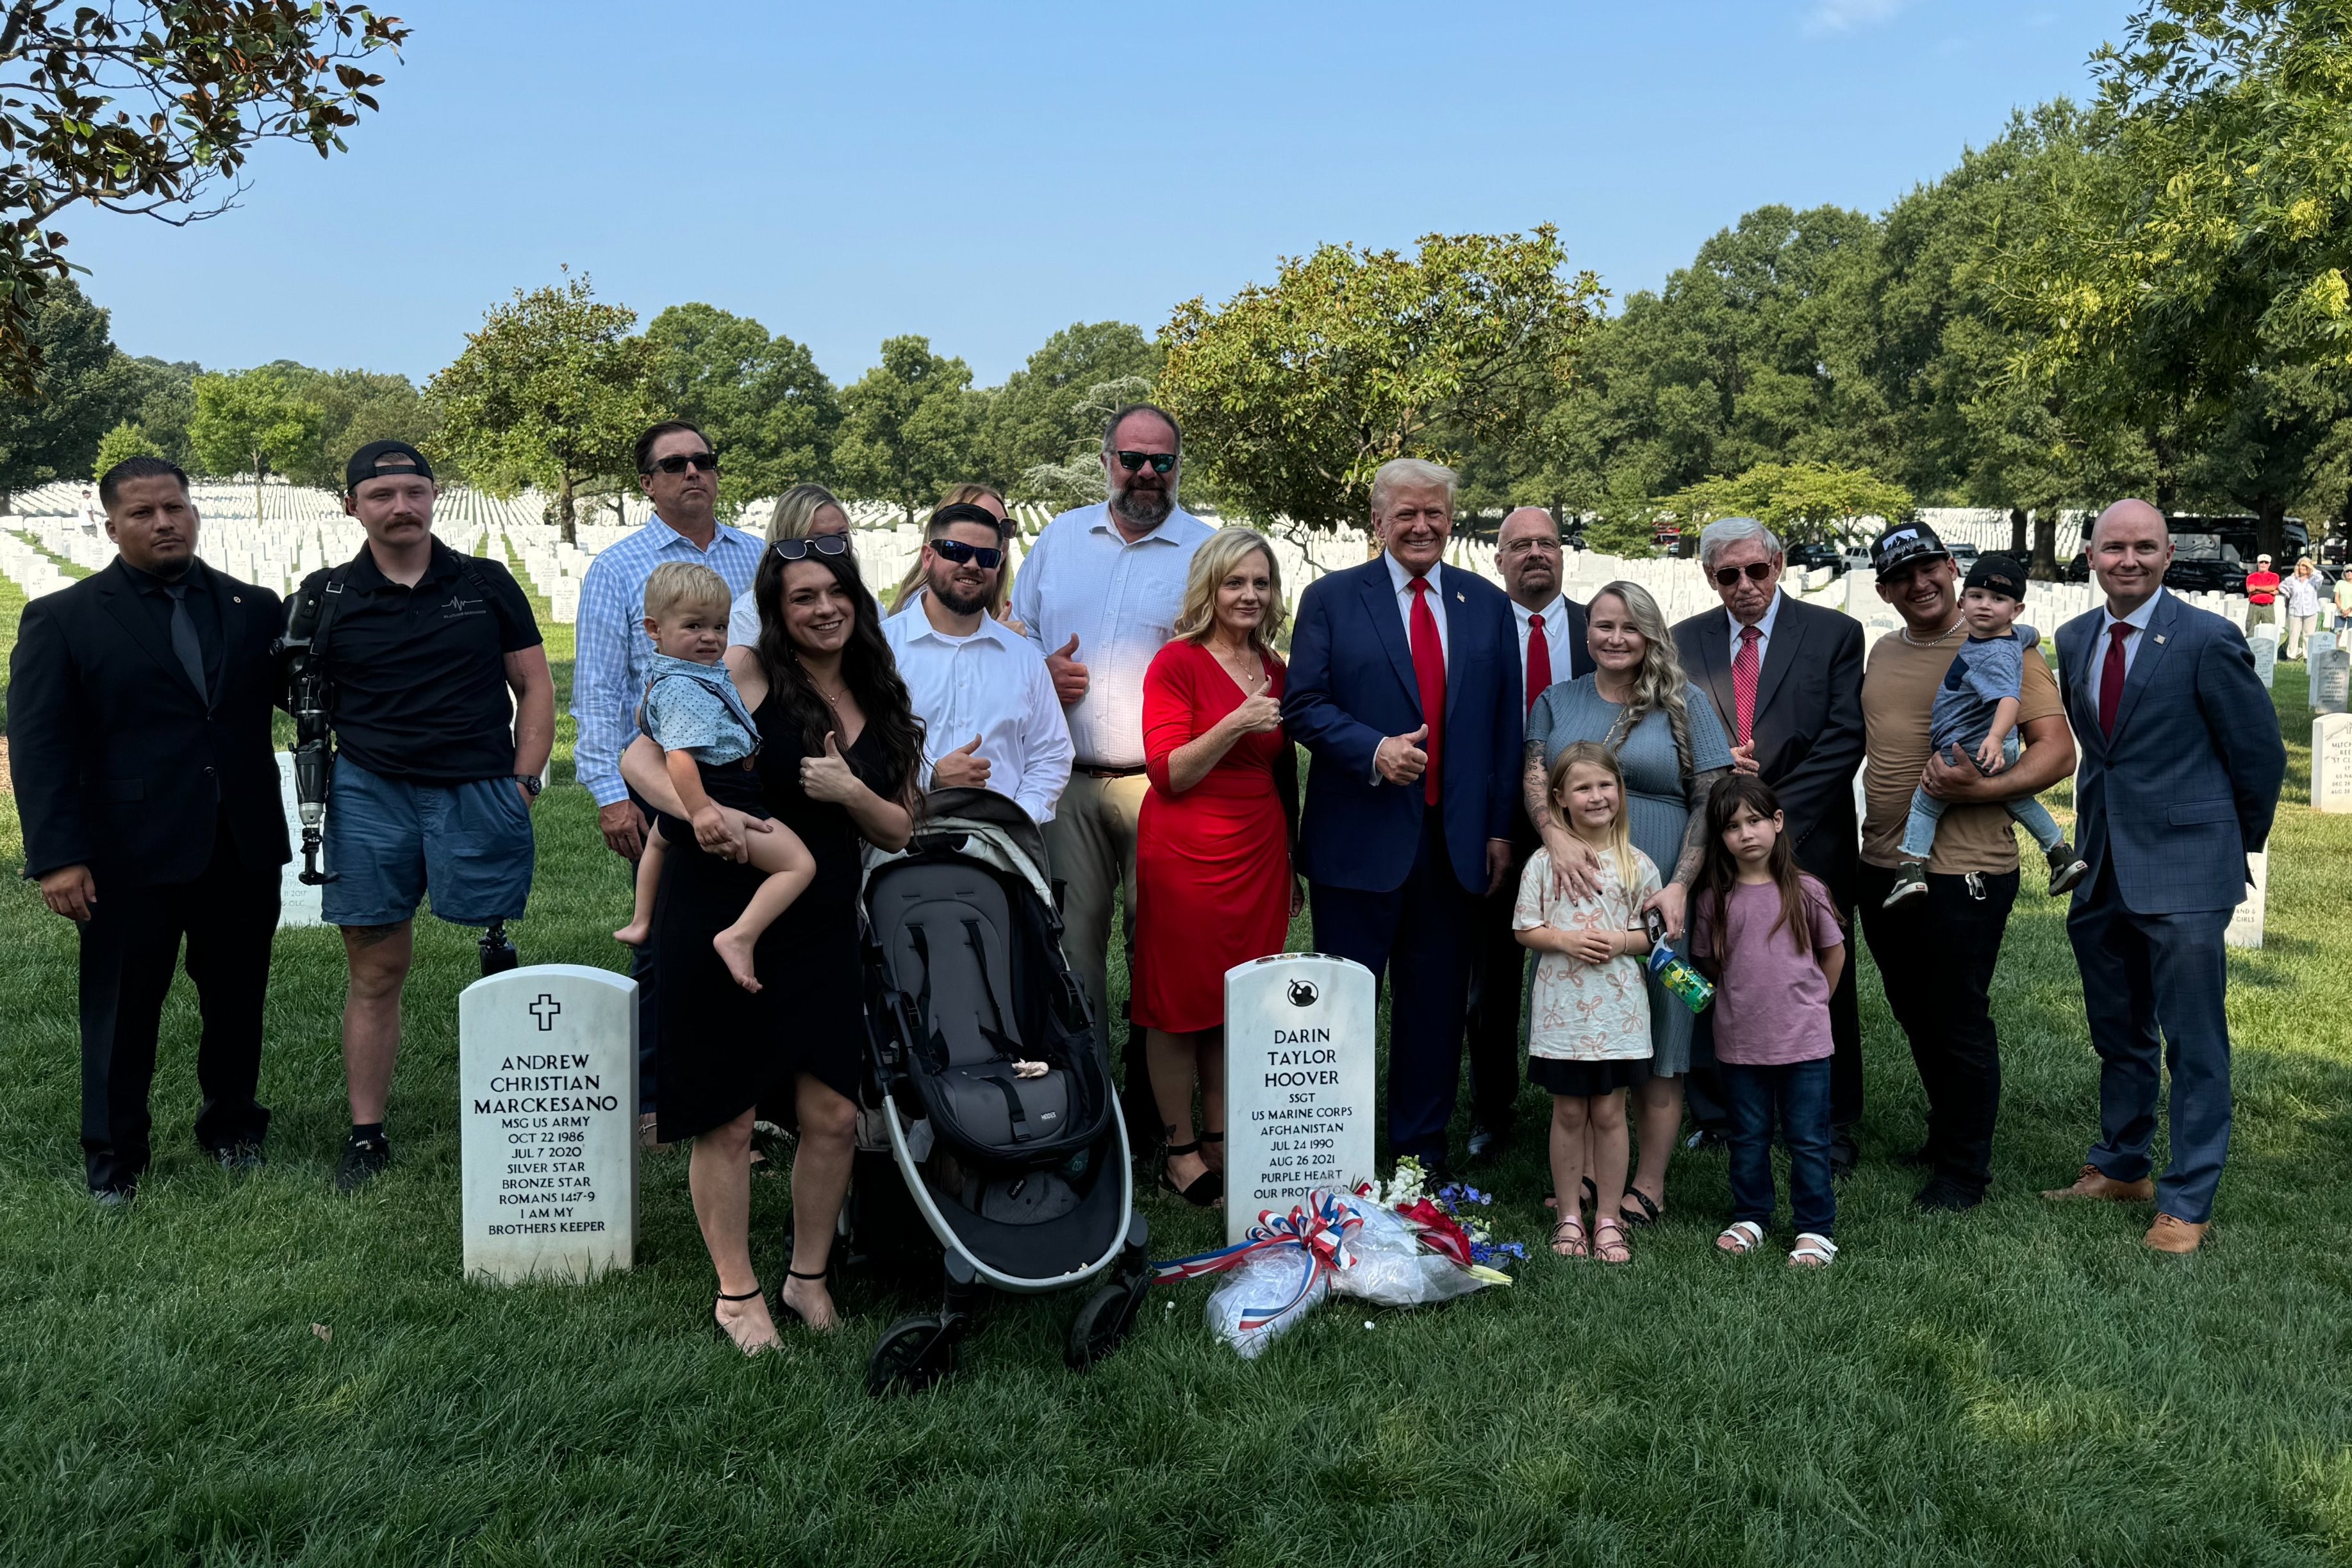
[1813, 1250]
[1743, 1236]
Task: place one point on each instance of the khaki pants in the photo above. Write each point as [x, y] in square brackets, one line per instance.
[1091, 842]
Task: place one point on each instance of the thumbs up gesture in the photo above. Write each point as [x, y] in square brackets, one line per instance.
[1069, 676]
[961, 768]
[1399, 759]
[828, 778]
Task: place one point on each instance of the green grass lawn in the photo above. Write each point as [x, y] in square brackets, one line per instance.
[258, 1371]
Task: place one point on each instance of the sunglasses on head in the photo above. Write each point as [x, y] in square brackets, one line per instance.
[1755, 571]
[988, 558]
[678, 463]
[1161, 461]
[823, 544]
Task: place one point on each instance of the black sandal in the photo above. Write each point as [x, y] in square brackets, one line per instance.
[1651, 1212]
[785, 1308]
[1206, 1188]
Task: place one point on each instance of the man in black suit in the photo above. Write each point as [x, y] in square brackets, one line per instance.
[138, 713]
[1786, 679]
[1551, 648]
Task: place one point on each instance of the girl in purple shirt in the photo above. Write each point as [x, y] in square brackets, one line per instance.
[1768, 936]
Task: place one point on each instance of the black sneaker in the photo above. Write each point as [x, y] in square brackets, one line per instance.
[1910, 883]
[362, 1157]
[240, 1159]
[2066, 868]
[1942, 1196]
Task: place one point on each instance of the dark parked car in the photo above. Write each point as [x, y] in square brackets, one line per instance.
[1804, 558]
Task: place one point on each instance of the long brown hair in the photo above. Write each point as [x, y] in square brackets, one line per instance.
[1720, 874]
[867, 668]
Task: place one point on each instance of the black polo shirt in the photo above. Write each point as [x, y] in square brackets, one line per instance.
[420, 672]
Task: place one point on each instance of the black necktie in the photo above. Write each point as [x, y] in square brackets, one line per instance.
[183, 639]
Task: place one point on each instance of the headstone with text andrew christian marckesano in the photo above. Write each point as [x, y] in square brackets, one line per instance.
[547, 1082]
[1299, 1091]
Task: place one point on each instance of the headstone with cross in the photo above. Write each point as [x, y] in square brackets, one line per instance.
[547, 1079]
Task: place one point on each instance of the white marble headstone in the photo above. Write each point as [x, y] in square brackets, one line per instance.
[2316, 647]
[2265, 645]
[2335, 693]
[2245, 928]
[547, 1084]
[2331, 762]
[298, 903]
[1299, 1081]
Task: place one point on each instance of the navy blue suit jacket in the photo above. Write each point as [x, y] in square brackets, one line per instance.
[2187, 786]
[1352, 686]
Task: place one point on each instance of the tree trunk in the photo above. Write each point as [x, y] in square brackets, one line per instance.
[2168, 465]
[2045, 543]
[2020, 543]
[2270, 532]
[566, 529]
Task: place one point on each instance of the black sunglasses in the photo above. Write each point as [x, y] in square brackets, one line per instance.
[988, 558]
[678, 463]
[823, 544]
[1757, 570]
[1161, 461]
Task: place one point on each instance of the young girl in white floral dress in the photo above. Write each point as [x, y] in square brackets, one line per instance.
[1589, 1019]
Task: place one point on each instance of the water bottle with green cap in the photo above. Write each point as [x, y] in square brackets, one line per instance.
[1673, 972]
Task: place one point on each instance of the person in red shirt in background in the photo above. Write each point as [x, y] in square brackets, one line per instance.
[2262, 594]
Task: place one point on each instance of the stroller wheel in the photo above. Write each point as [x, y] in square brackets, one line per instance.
[913, 1354]
[1103, 1321]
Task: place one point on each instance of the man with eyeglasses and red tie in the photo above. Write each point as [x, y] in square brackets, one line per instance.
[992, 719]
[1098, 594]
[1786, 679]
[679, 473]
[1551, 648]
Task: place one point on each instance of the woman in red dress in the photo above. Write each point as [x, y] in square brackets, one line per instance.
[1213, 879]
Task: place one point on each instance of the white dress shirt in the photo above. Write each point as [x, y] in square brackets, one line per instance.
[994, 685]
[1121, 600]
[1763, 629]
[1554, 617]
[1403, 581]
[2137, 621]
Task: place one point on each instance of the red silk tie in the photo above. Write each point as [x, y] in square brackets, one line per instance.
[1538, 661]
[1429, 674]
[2111, 678]
[1743, 684]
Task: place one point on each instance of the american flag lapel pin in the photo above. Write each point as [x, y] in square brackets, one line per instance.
[1461, 598]
[2160, 639]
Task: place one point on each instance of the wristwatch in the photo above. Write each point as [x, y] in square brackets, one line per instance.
[530, 782]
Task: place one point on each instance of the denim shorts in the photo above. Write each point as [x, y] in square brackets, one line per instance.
[389, 841]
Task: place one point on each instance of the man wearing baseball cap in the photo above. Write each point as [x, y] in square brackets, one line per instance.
[444, 713]
[2261, 593]
[1936, 951]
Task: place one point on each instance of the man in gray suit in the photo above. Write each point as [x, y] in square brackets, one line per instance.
[2179, 779]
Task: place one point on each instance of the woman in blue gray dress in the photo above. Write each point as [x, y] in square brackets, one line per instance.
[1672, 749]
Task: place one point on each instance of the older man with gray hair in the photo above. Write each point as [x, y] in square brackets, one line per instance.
[1786, 679]
[1404, 686]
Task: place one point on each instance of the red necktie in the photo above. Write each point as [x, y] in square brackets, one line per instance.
[1429, 674]
[1538, 661]
[1743, 684]
[2111, 678]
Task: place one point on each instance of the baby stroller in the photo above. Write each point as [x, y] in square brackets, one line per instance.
[1023, 1182]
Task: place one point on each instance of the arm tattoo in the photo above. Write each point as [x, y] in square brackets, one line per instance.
[1694, 838]
[1532, 787]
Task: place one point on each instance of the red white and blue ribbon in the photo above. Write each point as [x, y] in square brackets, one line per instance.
[1320, 1226]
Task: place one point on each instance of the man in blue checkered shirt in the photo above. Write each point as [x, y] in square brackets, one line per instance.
[680, 472]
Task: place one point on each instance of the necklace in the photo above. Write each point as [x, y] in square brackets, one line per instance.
[1905, 632]
[1250, 676]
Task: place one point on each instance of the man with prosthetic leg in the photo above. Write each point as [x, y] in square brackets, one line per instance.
[427, 666]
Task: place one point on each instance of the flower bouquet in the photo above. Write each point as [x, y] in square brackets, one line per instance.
[1446, 1221]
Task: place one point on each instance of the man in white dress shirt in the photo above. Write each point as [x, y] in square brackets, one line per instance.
[1099, 593]
[991, 717]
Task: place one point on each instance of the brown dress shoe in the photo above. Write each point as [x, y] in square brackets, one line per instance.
[2170, 1234]
[2095, 1183]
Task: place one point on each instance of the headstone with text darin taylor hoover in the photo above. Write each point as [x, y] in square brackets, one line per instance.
[1299, 1094]
[547, 1081]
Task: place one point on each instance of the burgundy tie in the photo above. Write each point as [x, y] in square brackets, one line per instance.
[1538, 661]
[2111, 678]
[1429, 674]
[1743, 682]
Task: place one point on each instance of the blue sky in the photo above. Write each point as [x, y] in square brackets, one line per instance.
[985, 174]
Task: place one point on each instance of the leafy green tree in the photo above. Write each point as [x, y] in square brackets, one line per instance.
[1292, 394]
[257, 421]
[768, 410]
[124, 442]
[910, 426]
[160, 397]
[356, 407]
[53, 434]
[151, 109]
[1803, 502]
[551, 392]
[1044, 418]
[1077, 479]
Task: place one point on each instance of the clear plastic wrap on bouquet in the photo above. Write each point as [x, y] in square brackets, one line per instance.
[1266, 1297]
[1389, 1266]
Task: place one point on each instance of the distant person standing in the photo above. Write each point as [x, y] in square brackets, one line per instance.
[2300, 593]
[443, 715]
[93, 516]
[138, 715]
[680, 472]
[2262, 592]
[1551, 648]
[2342, 600]
[2181, 767]
[1099, 594]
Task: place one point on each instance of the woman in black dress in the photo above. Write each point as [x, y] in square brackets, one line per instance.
[837, 763]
